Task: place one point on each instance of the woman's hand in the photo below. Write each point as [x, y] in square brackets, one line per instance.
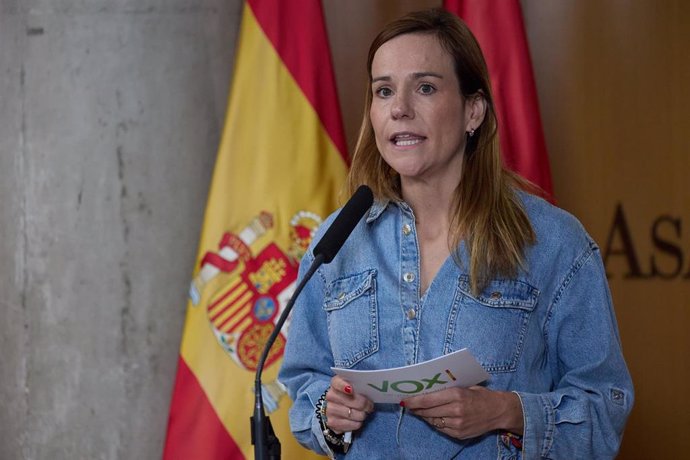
[345, 410]
[468, 412]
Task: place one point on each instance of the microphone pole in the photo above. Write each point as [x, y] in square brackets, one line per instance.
[266, 443]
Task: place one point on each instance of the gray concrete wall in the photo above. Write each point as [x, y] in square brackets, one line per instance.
[110, 116]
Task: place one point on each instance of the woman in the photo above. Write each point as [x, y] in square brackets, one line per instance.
[454, 253]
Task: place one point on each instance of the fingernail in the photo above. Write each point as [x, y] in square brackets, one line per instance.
[402, 403]
[348, 389]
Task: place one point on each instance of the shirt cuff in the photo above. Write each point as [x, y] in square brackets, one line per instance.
[317, 432]
[538, 416]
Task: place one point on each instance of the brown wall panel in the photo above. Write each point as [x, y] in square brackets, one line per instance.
[612, 79]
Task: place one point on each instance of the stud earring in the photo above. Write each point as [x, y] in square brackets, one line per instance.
[471, 132]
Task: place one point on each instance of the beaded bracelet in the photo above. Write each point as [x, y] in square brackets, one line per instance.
[509, 439]
[335, 441]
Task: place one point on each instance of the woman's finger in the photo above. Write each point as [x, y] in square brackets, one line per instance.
[341, 385]
[341, 392]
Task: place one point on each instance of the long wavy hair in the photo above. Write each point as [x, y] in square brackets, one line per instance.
[485, 210]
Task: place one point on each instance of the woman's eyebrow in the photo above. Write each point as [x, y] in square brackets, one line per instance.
[385, 78]
[418, 75]
[415, 76]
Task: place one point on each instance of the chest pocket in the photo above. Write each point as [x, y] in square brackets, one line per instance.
[493, 324]
[352, 318]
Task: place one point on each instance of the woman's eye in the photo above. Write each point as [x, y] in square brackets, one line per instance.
[384, 92]
[426, 89]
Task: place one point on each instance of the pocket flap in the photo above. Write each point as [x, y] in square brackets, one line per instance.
[344, 290]
[503, 294]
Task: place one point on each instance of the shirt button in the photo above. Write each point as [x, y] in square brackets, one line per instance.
[411, 314]
[406, 229]
[496, 295]
[409, 277]
[616, 395]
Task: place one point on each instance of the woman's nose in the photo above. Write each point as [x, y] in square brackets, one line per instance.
[401, 107]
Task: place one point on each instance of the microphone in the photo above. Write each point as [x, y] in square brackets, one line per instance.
[266, 443]
[342, 226]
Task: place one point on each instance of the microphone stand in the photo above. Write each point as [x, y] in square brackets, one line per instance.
[266, 443]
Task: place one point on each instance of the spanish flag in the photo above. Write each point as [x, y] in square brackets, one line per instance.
[499, 29]
[281, 165]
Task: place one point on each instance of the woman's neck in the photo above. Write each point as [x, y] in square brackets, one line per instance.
[431, 203]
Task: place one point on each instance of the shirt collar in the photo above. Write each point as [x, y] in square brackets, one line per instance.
[376, 210]
[379, 206]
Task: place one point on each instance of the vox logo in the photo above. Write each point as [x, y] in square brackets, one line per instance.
[409, 386]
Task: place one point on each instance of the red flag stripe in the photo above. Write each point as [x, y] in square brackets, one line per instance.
[231, 295]
[234, 285]
[299, 36]
[220, 323]
[201, 435]
[234, 308]
[498, 26]
[235, 303]
[239, 325]
[230, 324]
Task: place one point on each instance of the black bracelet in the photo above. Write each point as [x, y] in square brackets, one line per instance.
[334, 440]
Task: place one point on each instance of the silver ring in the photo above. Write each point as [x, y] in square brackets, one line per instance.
[349, 412]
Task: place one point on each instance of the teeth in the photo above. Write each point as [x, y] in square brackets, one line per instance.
[406, 142]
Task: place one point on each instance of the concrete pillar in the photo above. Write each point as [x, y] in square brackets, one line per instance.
[110, 117]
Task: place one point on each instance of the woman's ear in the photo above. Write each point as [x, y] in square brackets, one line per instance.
[475, 111]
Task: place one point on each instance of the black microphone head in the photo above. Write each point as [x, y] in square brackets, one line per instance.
[344, 223]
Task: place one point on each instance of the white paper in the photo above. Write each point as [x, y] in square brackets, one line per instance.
[457, 369]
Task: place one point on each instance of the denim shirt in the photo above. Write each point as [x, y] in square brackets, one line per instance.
[550, 335]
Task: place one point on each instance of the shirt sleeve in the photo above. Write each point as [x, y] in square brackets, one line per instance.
[584, 416]
[307, 360]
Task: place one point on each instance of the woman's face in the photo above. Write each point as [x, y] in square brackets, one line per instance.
[417, 112]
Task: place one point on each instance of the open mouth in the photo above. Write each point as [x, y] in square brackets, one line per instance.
[406, 139]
